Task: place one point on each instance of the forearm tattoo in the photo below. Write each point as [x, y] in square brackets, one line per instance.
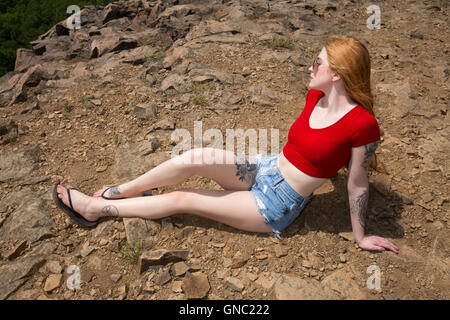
[246, 172]
[358, 205]
[368, 152]
[110, 210]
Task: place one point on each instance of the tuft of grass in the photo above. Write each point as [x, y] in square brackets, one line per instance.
[199, 89]
[9, 140]
[130, 253]
[67, 107]
[253, 17]
[202, 87]
[198, 100]
[86, 98]
[392, 41]
[116, 138]
[157, 55]
[278, 42]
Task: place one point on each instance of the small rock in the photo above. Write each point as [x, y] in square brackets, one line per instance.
[178, 269]
[218, 245]
[52, 282]
[221, 274]
[279, 251]
[160, 257]
[416, 35]
[54, 267]
[239, 260]
[145, 111]
[407, 200]
[122, 292]
[306, 264]
[427, 197]
[347, 236]
[162, 278]
[96, 102]
[164, 124]
[429, 217]
[115, 277]
[342, 258]
[101, 168]
[234, 283]
[149, 287]
[17, 250]
[87, 250]
[177, 286]
[252, 276]
[261, 256]
[195, 286]
[265, 281]
[227, 262]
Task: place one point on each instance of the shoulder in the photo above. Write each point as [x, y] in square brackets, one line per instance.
[366, 128]
[365, 120]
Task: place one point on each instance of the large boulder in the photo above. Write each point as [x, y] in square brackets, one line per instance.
[111, 43]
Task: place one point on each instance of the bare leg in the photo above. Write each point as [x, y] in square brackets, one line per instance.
[220, 165]
[234, 208]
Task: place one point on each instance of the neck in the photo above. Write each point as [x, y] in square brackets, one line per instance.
[336, 100]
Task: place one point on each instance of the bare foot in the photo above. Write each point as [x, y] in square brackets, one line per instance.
[81, 203]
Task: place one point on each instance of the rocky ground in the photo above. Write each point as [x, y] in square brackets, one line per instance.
[97, 106]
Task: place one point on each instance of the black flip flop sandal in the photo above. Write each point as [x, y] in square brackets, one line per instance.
[146, 194]
[76, 217]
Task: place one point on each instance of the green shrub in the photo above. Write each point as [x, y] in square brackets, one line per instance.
[9, 140]
[198, 100]
[157, 55]
[67, 107]
[129, 254]
[278, 42]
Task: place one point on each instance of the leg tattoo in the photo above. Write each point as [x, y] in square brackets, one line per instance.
[246, 172]
[110, 210]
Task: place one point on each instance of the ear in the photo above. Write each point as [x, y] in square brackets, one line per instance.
[335, 76]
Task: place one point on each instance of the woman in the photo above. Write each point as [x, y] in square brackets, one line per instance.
[336, 128]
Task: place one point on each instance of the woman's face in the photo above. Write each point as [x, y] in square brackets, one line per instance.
[320, 75]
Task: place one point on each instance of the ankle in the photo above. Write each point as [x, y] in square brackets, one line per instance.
[129, 190]
[94, 207]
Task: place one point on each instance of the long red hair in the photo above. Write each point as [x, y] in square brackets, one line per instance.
[350, 59]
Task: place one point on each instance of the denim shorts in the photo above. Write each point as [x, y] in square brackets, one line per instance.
[277, 202]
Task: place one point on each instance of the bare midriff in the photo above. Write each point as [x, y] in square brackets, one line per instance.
[298, 180]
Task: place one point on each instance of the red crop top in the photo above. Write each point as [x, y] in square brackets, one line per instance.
[322, 152]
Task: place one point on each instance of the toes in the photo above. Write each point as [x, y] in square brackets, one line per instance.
[66, 185]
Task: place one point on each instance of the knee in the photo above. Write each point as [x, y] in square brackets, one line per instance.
[181, 198]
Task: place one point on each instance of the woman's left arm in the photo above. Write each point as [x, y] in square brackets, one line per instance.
[358, 193]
